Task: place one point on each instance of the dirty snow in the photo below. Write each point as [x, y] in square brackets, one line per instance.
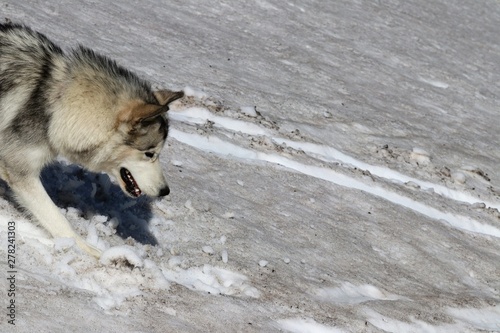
[333, 168]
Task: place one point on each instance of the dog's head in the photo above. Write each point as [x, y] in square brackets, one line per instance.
[142, 128]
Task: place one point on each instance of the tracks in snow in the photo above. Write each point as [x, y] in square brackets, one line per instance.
[213, 144]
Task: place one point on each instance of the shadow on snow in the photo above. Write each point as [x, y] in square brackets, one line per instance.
[94, 194]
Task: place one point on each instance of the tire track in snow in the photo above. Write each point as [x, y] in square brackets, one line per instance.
[198, 115]
[330, 154]
[215, 145]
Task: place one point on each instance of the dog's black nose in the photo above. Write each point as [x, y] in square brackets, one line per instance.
[164, 191]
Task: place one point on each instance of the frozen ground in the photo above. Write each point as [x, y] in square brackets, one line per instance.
[334, 169]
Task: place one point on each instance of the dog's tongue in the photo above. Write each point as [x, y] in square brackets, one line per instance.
[130, 183]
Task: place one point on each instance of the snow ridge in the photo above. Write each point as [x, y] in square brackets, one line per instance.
[213, 144]
[197, 115]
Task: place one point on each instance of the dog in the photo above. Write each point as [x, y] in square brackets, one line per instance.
[82, 106]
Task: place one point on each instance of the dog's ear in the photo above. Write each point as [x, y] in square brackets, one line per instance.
[146, 112]
[166, 97]
[137, 113]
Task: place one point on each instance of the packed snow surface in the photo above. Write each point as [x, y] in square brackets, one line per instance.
[333, 168]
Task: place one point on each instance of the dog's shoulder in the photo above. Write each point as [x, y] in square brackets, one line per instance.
[17, 36]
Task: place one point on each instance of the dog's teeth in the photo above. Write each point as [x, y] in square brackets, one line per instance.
[132, 187]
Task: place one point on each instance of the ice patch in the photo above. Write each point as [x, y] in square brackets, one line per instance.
[228, 215]
[487, 319]
[351, 294]
[306, 326]
[249, 111]
[208, 250]
[224, 256]
[263, 263]
[177, 163]
[201, 116]
[435, 83]
[416, 326]
[212, 280]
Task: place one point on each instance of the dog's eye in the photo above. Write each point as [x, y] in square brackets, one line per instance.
[149, 154]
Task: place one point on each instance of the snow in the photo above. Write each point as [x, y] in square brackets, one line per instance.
[487, 319]
[305, 326]
[224, 256]
[213, 280]
[390, 325]
[333, 168]
[216, 145]
[458, 177]
[201, 115]
[121, 255]
[208, 249]
[249, 111]
[348, 293]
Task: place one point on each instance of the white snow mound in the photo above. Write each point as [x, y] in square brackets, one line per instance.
[120, 255]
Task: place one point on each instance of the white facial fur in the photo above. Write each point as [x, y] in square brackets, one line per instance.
[147, 173]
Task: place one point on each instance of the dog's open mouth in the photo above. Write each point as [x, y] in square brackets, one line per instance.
[130, 183]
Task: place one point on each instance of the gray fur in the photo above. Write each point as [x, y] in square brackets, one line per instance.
[80, 105]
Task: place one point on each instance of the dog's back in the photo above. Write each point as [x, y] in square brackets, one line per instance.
[25, 59]
[24, 56]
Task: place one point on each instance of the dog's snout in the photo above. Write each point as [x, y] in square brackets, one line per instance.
[164, 191]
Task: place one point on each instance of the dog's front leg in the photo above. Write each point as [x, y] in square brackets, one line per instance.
[32, 195]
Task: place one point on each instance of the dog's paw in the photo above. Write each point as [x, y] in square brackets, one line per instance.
[90, 249]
